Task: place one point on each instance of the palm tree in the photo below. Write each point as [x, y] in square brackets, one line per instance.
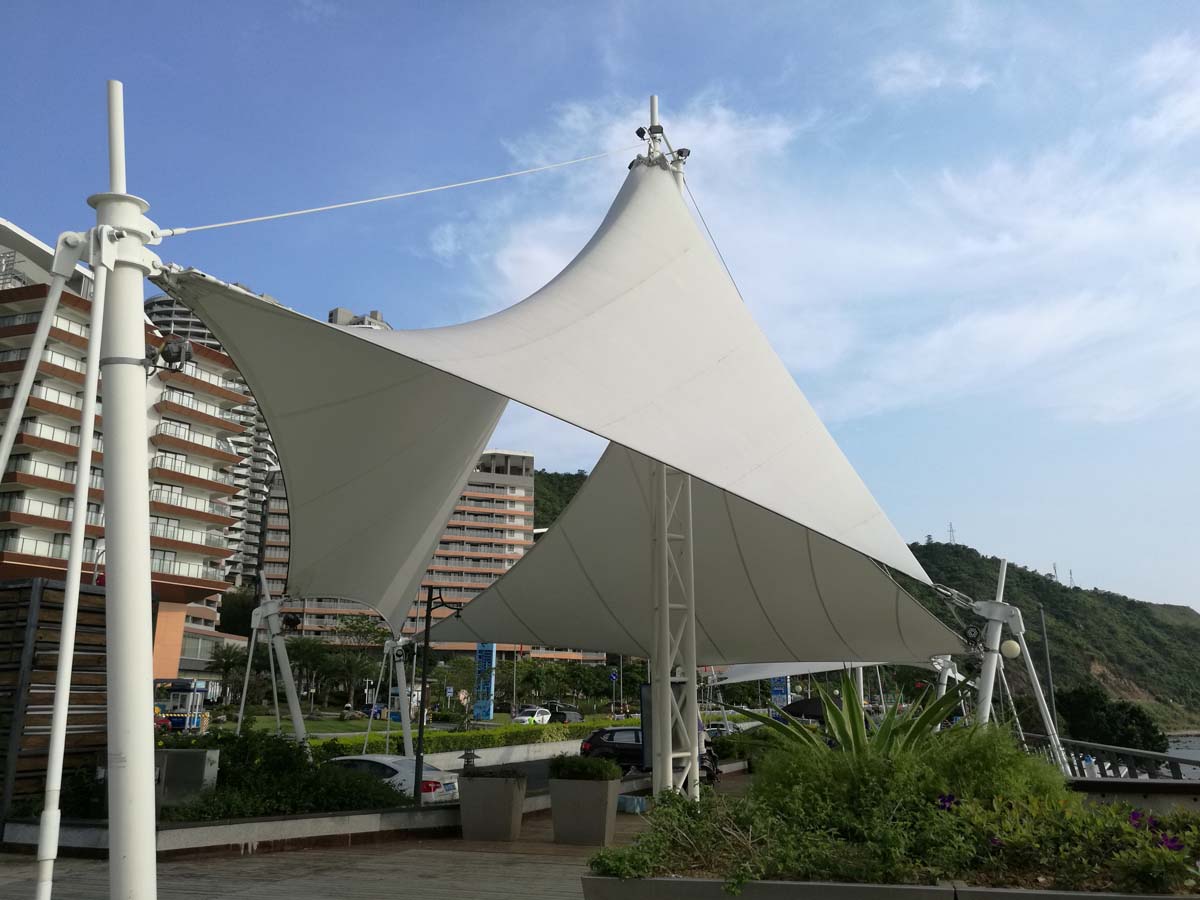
[350, 667]
[307, 656]
[227, 660]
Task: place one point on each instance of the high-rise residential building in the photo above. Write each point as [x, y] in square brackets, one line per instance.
[189, 454]
[341, 316]
[254, 445]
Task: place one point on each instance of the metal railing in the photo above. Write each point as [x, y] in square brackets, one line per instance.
[48, 394]
[42, 509]
[34, 547]
[186, 434]
[179, 398]
[199, 504]
[59, 435]
[51, 356]
[200, 375]
[1088, 760]
[188, 535]
[188, 570]
[45, 470]
[59, 322]
[163, 461]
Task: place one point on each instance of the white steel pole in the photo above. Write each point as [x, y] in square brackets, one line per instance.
[132, 868]
[16, 410]
[1056, 747]
[278, 641]
[254, 622]
[406, 715]
[660, 684]
[48, 830]
[274, 686]
[991, 655]
[383, 665]
[858, 686]
[687, 569]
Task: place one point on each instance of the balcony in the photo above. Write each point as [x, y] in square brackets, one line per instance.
[40, 514]
[40, 436]
[172, 537]
[209, 576]
[185, 406]
[49, 401]
[169, 503]
[230, 393]
[68, 331]
[35, 473]
[51, 363]
[171, 436]
[176, 471]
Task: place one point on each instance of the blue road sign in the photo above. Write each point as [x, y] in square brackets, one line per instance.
[612, 676]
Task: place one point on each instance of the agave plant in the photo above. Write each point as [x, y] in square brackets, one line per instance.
[894, 733]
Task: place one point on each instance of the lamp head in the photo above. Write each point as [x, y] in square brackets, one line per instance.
[1010, 649]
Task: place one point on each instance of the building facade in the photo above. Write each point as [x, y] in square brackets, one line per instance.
[189, 456]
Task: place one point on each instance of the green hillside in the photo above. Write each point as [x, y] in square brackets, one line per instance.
[1146, 652]
[1137, 651]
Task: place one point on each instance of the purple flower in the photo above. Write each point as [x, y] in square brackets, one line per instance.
[1170, 842]
[947, 801]
[1137, 818]
[995, 841]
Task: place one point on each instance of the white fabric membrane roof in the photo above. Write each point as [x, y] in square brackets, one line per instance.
[642, 339]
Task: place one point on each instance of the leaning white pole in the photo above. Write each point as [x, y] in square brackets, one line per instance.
[279, 643]
[1056, 747]
[383, 663]
[29, 371]
[991, 655]
[48, 830]
[130, 638]
[405, 700]
[255, 620]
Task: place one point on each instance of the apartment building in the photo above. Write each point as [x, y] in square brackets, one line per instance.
[490, 529]
[189, 455]
[254, 445]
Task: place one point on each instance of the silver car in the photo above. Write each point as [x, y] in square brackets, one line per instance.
[437, 786]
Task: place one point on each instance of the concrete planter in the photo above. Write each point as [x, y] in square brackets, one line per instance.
[595, 888]
[491, 808]
[584, 812]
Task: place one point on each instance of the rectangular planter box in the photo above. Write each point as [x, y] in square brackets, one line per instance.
[705, 889]
[491, 808]
[584, 812]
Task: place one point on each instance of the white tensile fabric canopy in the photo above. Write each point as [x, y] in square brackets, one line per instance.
[643, 340]
[766, 588]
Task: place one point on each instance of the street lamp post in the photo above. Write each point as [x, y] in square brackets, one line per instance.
[419, 768]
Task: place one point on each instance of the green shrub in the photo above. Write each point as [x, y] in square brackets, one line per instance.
[554, 732]
[482, 738]
[967, 804]
[584, 768]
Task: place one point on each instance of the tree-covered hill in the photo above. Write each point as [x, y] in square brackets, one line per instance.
[552, 491]
[1135, 650]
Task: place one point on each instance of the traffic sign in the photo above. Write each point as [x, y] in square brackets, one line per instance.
[449, 691]
[612, 676]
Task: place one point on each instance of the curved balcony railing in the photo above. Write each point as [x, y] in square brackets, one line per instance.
[188, 535]
[186, 569]
[158, 495]
[194, 371]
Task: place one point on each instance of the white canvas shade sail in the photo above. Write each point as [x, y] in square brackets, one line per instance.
[766, 588]
[643, 340]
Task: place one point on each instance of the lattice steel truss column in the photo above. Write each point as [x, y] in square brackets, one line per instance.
[675, 731]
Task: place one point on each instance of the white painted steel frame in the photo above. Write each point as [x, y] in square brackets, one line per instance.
[675, 734]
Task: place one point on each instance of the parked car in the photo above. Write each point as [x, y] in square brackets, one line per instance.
[436, 786]
[720, 729]
[534, 716]
[566, 714]
[624, 747]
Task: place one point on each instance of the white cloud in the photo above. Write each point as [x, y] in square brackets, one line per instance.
[1170, 73]
[907, 72]
[443, 241]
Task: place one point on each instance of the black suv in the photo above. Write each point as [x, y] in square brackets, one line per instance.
[624, 747]
[563, 712]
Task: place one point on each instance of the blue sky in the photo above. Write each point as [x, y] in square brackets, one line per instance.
[971, 230]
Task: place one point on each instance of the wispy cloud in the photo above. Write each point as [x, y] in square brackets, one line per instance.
[1170, 73]
[909, 72]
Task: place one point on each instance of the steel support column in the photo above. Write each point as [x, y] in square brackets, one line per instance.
[675, 731]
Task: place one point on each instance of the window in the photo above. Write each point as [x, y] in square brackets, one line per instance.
[168, 488]
[626, 736]
[163, 555]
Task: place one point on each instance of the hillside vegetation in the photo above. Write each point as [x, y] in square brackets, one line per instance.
[1136, 651]
[1146, 652]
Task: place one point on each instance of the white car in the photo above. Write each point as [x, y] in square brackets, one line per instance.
[532, 716]
[436, 786]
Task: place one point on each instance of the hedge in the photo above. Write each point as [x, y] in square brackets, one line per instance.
[444, 741]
